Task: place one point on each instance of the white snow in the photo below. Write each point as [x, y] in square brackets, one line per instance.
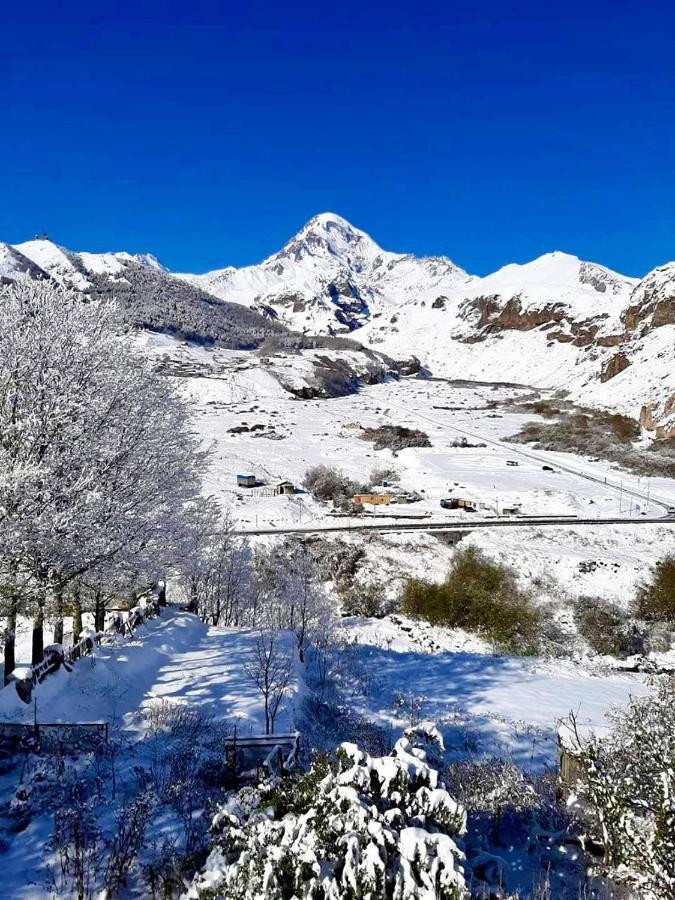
[175, 658]
[51, 259]
[512, 706]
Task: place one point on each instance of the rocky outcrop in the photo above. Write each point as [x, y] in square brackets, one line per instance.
[659, 418]
[613, 366]
[494, 315]
[652, 303]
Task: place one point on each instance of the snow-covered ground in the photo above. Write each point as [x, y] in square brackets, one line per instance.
[175, 658]
[391, 671]
[482, 703]
[285, 436]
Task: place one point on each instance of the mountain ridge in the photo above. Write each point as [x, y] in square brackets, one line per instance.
[556, 321]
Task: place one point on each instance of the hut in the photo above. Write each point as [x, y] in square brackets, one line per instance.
[284, 487]
[459, 503]
[246, 481]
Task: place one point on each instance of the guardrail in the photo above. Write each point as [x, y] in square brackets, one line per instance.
[54, 656]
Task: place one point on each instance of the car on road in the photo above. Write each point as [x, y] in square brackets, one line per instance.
[548, 468]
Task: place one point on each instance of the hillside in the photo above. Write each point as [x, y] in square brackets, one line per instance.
[556, 322]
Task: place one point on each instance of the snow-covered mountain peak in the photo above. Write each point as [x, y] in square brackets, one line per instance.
[54, 261]
[328, 237]
[585, 289]
[144, 259]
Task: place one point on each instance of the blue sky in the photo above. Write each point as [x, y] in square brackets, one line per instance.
[208, 133]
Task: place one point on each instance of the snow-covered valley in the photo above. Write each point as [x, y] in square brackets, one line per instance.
[556, 322]
[434, 470]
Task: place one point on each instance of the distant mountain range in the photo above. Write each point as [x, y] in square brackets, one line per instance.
[556, 322]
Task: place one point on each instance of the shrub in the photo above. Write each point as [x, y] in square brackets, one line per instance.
[364, 598]
[492, 786]
[329, 483]
[627, 781]
[658, 637]
[336, 560]
[656, 599]
[395, 437]
[356, 826]
[384, 476]
[480, 596]
[606, 627]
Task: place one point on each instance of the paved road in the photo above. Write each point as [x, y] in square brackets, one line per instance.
[462, 525]
[514, 450]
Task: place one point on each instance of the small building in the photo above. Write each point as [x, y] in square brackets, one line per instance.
[511, 509]
[459, 503]
[372, 499]
[246, 481]
[284, 487]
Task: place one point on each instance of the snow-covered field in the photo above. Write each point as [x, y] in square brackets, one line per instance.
[176, 659]
[285, 436]
[495, 705]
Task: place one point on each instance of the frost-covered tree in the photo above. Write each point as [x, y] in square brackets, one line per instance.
[329, 483]
[97, 456]
[627, 783]
[217, 572]
[357, 826]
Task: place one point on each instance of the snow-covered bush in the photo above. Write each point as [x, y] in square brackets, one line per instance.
[384, 476]
[492, 786]
[627, 782]
[358, 826]
[395, 437]
[606, 627]
[364, 598]
[329, 483]
[337, 560]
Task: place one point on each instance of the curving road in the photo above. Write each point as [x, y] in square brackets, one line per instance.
[667, 517]
[513, 449]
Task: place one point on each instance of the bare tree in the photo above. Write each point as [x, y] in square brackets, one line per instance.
[270, 668]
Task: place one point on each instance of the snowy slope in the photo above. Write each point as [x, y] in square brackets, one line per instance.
[14, 264]
[556, 322]
[176, 658]
[55, 261]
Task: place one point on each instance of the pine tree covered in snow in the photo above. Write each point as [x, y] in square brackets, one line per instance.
[358, 826]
